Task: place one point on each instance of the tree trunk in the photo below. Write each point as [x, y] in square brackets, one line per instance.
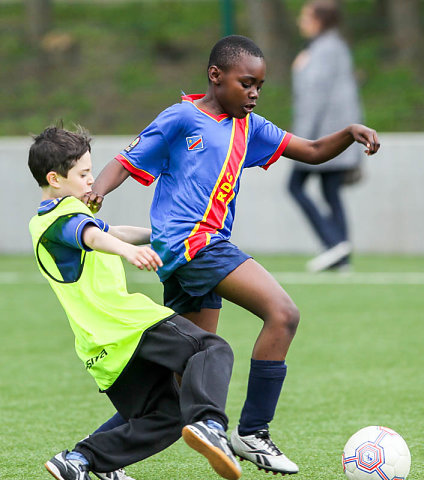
[272, 30]
[381, 8]
[406, 29]
[39, 19]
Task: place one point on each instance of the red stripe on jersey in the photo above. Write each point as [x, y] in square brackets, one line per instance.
[223, 191]
[279, 151]
[192, 98]
[143, 177]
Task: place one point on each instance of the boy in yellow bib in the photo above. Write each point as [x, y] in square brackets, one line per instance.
[129, 344]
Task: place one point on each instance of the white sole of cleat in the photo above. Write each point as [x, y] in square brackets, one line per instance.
[242, 459]
[222, 465]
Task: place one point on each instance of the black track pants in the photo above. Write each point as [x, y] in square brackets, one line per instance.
[147, 394]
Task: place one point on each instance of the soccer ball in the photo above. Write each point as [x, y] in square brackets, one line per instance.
[376, 453]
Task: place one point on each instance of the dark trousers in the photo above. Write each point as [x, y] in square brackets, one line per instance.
[147, 395]
[330, 228]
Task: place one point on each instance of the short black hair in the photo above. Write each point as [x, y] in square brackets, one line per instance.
[227, 51]
[57, 150]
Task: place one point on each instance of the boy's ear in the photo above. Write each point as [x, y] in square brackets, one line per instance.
[215, 74]
[53, 179]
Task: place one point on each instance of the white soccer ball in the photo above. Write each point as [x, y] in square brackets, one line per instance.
[376, 453]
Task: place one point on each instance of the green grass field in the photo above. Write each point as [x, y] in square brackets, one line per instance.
[357, 360]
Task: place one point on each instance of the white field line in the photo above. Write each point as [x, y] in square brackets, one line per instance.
[358, 278]
[285, 278]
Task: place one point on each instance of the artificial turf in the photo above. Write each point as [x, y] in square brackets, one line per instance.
[357, 360]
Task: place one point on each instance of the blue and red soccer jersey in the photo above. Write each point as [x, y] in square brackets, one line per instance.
[198, 159]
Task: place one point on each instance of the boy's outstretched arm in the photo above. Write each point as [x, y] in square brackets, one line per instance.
[141, 257]
[130, 234]
[328, 147]
[108, 179]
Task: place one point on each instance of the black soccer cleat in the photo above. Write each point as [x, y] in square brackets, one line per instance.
[213, 444]
[63, 469]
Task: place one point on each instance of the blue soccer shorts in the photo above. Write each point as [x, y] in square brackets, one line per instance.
[191, 286]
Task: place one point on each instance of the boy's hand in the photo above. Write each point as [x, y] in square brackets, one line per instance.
[366, 136]
[94, 201]
[143, 257]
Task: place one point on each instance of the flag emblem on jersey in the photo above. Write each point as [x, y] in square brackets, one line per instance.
[194, 143]
[132, 144]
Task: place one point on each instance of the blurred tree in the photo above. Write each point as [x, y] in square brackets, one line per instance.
[39, 18]
[54, 48]
[407, 34]
[381, 10]
[272, 29]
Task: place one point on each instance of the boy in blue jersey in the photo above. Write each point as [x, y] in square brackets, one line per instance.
[197, 150]
[129, 344]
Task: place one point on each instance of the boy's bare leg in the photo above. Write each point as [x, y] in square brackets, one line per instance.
[255, 289]
[207, 318]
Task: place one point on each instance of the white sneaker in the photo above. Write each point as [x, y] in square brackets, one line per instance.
[259, 449]
[330, 257]
[116, 475]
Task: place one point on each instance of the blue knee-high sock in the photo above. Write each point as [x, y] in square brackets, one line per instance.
[265, 382]
[113, 422]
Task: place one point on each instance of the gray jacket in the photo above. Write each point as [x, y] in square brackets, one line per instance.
[325, 97]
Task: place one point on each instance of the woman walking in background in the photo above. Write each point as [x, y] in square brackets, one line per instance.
[325, 99]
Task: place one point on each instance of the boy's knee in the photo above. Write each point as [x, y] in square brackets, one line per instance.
[288, 317]
[225, 349]
[211, 340]
[218, 352]
[293, 318]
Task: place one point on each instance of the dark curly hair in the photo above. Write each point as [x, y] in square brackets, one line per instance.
[56, 149]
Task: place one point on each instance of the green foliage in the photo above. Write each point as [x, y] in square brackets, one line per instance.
[356, 361]
[130, 60]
